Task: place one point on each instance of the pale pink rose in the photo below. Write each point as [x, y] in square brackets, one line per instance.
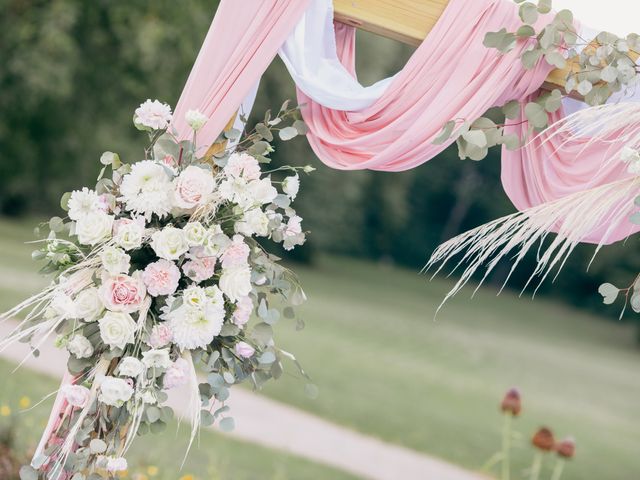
[243, 311]
[193, 187]
[153, 114]
[200, 269]
[244, 350]
[243, 165]
[76, 395]
[161, 336]
[161, 277]
[176, 375]
[123, 293]
[236, 254]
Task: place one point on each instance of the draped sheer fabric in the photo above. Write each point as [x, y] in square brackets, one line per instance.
[391, 126]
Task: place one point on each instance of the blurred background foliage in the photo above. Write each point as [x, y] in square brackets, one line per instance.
[73, 71]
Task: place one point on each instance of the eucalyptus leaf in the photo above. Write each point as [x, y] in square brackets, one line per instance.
[227, 424]
[609, 293]
[288, 133]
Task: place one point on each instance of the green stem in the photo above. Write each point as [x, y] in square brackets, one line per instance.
[536, 466]
[506, 447]
[557, 471]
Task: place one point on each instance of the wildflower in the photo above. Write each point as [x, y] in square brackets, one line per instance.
[511, 402]
[543, 439]
[566, 448]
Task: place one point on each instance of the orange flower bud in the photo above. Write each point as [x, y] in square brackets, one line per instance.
[566, 448]
[511, 402]
[543, 439]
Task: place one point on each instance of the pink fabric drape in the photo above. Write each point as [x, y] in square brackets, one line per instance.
[553, 166]
[243, 40]
[452, 75]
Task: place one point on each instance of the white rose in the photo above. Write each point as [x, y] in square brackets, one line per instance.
[236, 282]
[80, 347]
[195, 233]
[115, 391]
[62, 306]
[195, 119]
[88, 305]
[254, 222]
[94, 228]
[261, 191]
[75, 395]
[130, 367]
[215, 242]
[157, 359]
[193, 187]
[117, 329]
[128, 234]
[195, 297]
[169, 243]
[291, 186]
[115, 261]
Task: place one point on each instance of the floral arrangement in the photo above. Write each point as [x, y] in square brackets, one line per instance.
[158, 269]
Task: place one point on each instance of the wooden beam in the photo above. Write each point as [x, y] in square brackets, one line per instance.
[410, 21]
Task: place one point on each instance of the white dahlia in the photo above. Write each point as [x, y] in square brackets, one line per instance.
[195, 327]
[82, 203]
[147, 190]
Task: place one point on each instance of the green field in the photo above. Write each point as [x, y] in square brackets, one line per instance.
[385, 367]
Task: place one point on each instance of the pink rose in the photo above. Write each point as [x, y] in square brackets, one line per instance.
[244, 350]
[200, 269]
[236, 254]
[193, 187]
[244, 309]
[176, 375]
[161, 278]
[161, 336]
[243, 165]
[122, 293]
[76, 395]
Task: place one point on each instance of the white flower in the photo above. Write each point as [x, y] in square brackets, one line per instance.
[292, 233]
[75, 395]
[94, 228]
[214, 297]
[88, 305]
[235, 282]
[262, 192]
[62, 306]
[631, 157]
[115, 391]
[214, 242]
[195, 297]
[235, 189]
[80, 347]
[169, 243]
[128, 234]
[291, 186]
[195, 233]
[254, 222]
[148, 397]
[195, 327]
[117, 329]
[130, 367]
[193, 187]
[195, 119]
[157, 358]
[147, 190]
[82, 203]
[114, 260]
[112, 464]
[153, 114]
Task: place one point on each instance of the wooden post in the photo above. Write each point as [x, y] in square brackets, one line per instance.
[410, 21]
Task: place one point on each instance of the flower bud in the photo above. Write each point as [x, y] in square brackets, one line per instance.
[566, 448]
[511, 402]
[543, 440]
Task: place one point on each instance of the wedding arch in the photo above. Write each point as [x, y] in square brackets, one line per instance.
[161, 269]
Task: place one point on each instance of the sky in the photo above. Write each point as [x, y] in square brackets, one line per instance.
[617, 16]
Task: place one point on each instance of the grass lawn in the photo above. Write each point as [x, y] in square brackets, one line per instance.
[215, 458]
[386, 368]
